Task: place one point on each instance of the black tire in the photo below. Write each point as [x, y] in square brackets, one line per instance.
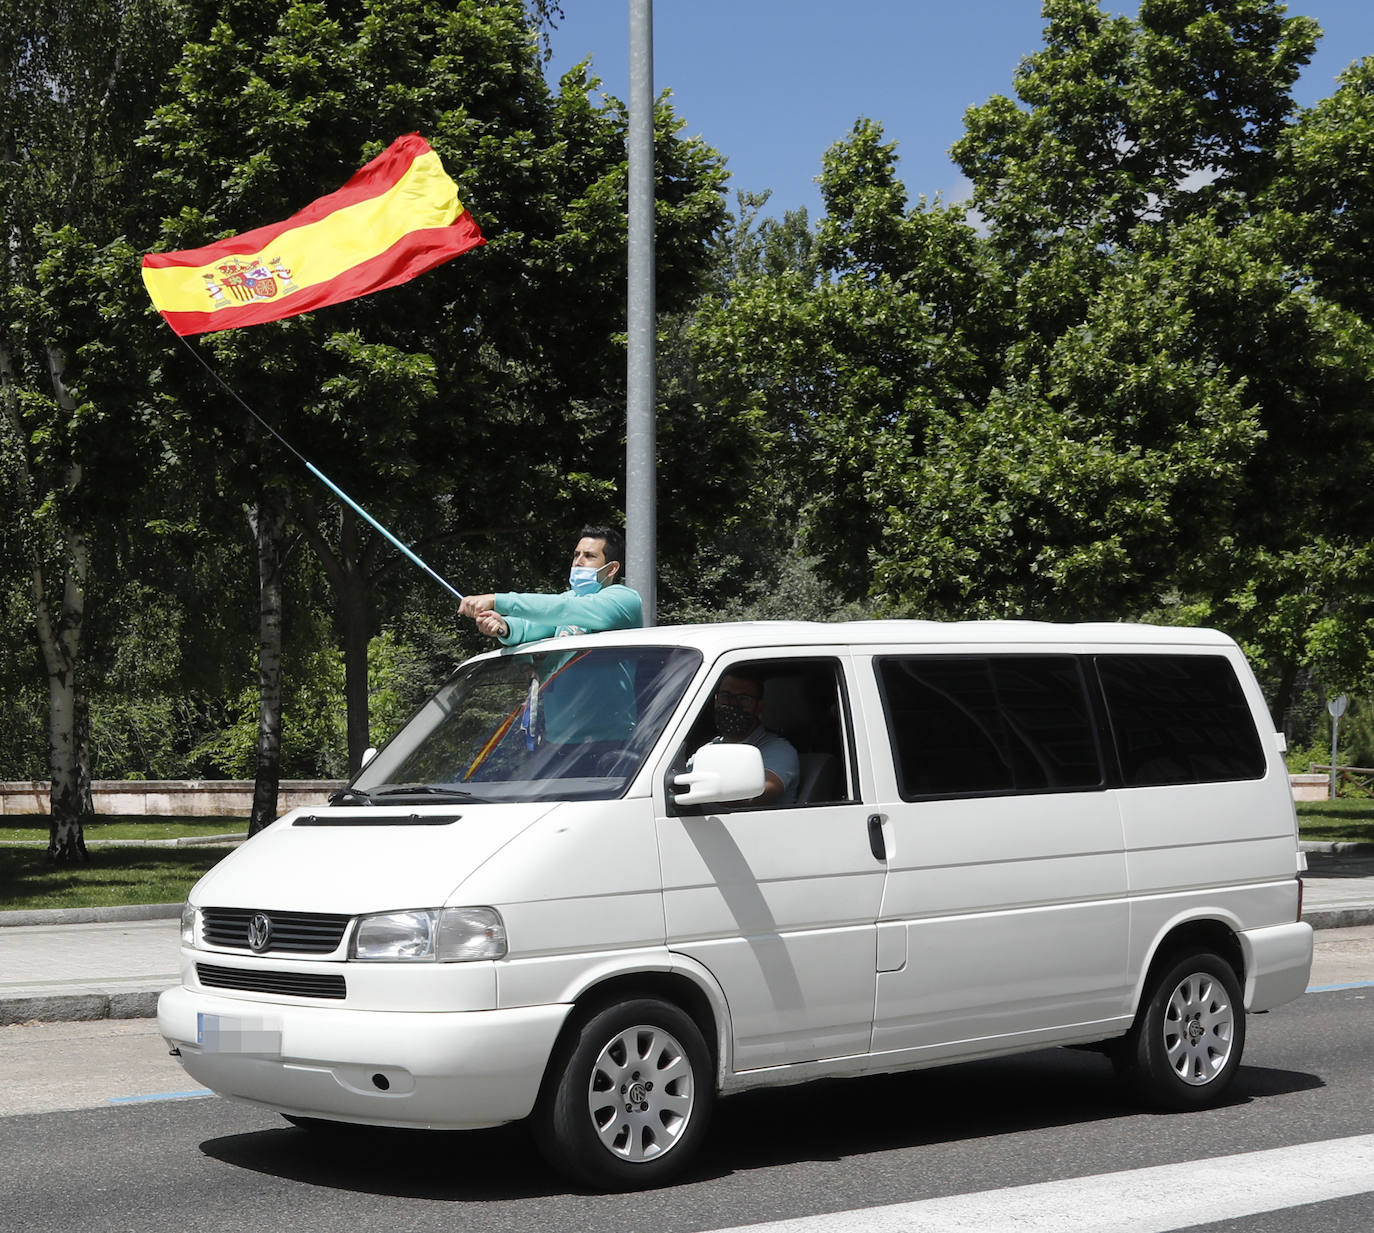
[627, 1098]
[1189, 1034]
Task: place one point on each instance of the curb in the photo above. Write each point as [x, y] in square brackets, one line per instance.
[1339, 918]
[91, 916]
[1339, 848]
[78, 1008]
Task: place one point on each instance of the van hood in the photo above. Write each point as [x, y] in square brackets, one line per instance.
[352, 861]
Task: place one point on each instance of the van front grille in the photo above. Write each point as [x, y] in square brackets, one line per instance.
[298, 933]
[289, 984]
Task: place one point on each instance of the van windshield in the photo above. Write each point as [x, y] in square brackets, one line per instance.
[556, 724]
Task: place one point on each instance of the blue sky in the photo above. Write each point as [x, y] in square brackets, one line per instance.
[772, 83]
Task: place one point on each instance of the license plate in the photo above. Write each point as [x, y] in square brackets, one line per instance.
[234, 1034]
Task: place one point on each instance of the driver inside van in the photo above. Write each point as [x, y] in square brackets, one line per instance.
[738, 713]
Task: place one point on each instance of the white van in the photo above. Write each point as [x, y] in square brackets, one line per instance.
[549, 898]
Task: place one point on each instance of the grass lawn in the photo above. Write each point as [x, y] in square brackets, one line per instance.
[1338, 821]
[114, 876]
[26, 828]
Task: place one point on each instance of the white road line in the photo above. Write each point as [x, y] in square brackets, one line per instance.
[1154, 1200]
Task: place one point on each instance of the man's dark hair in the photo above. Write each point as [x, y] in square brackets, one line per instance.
[615, 545]
[746, 672]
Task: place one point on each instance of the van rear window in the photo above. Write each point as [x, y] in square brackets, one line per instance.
[1179, 719]
[986, 725]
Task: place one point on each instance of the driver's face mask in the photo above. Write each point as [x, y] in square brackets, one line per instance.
[734, 722]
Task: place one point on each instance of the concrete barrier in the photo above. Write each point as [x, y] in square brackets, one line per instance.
[1311, 787]
[231, 798]
[188, 798]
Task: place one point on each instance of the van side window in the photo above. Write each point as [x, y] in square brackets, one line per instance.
[804, 703]
[1179, 719]
[986, 725]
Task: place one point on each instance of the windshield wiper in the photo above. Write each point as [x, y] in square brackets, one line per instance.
[349, 796]
[426, 789]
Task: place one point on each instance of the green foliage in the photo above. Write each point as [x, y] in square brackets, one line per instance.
[406, 664]
[1132, 380]
[1157, 118]
[1320, 201]
[1127, 392]
[791, 589]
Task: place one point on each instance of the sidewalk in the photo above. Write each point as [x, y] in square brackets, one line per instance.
[111, 963]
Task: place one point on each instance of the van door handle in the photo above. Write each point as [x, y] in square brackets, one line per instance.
[875, 837]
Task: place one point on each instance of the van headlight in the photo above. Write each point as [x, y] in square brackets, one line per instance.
[190, 919]
[442, 935]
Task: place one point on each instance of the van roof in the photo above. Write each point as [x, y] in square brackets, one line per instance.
[715, 638]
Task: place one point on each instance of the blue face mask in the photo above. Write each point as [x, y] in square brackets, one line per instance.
[583, 580]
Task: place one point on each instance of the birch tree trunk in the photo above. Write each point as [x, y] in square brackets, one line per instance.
[268, 522]
[59, 622]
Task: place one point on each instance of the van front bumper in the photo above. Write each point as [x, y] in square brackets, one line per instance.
[437, 1070]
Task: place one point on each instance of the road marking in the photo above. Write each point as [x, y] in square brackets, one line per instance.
[1354, 984]
[136, 1100]
[1154, 1200]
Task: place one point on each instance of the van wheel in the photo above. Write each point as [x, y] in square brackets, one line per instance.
[1185, 1046]
[627, 1097]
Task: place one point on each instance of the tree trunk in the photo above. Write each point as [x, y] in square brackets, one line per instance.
[355, 614]
[1281, 709]
[349, 572]
[268, 522]
[59, 638]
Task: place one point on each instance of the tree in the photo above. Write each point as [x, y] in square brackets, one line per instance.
[841, 349]
[78, 77]
[499, 368]
[1183, 426]
[1167, 116]
[1131, 394]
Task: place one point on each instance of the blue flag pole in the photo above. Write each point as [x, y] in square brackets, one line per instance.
[320, 475]
[352, 504]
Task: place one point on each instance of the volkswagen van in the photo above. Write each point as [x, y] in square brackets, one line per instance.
[555, 896]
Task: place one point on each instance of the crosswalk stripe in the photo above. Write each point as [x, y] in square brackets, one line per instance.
[1151, 1200]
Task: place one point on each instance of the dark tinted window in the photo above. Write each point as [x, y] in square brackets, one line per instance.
[990, 724]
[1179, 719]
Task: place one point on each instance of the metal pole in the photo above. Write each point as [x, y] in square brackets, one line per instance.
[1335, 755]
[641, 514]
[1335, 707]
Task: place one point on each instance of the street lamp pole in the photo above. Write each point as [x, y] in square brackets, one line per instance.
[641, 513]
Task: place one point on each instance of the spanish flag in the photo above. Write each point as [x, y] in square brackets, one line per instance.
[396, 218]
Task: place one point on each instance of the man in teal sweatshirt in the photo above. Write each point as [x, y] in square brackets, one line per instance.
[595, 600]
[596, 703]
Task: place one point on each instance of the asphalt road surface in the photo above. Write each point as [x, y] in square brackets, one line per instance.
[99, 1129]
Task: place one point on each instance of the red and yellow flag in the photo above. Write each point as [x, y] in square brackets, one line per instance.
[396, 218]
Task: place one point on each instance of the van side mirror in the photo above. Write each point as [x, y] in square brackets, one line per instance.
[721, 772]
[368, 754]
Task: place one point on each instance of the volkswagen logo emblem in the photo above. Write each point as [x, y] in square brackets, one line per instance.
[259, 931]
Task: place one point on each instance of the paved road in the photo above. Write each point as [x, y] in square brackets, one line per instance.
[1044, 1139]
